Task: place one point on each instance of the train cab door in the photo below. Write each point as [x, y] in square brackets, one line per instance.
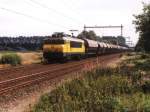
[67, 43]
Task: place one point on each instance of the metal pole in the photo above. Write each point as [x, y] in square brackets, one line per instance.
[84, 27]
[121, 30]
[121, 27]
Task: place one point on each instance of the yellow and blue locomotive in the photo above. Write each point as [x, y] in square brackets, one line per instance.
[61, 46]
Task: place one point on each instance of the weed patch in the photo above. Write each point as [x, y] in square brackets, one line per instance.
[120, 89]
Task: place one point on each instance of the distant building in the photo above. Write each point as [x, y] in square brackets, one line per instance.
[115, 40]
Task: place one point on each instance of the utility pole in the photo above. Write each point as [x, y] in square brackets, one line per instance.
[101, 27]
[84, 27]
[121, 30]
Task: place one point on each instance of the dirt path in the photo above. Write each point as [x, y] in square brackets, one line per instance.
[32, 95]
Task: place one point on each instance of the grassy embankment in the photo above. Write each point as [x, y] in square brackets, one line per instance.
[125, 88]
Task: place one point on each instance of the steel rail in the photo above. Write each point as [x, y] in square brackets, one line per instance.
[38, 79]
[57, 71]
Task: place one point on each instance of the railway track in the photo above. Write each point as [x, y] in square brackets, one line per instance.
[38, 73]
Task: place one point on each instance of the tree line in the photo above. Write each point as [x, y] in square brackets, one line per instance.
[22, 43]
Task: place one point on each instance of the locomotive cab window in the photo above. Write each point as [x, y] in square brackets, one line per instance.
[75, 44]
[54, 42]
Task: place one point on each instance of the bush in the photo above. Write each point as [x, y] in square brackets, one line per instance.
[93, 93]
[10, 58]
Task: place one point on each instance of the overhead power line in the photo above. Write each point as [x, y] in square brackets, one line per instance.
[53, 10]
[31, 17]
[121, 27]
[71, 8]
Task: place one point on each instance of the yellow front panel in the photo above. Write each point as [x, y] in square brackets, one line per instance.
[65, 48]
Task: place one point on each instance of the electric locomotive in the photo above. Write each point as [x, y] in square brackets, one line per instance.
[62, 46]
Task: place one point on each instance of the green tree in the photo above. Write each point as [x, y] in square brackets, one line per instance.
[88, 34]
[142, 24]
[92, 35]
[83, 34]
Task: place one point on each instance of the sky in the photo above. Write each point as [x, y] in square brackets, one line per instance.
[43, 17]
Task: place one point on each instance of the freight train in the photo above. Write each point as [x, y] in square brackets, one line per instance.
[60, 46]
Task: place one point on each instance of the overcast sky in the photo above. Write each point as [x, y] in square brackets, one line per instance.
[26, 17]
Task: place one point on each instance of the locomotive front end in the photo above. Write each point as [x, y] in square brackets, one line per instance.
[53, 48]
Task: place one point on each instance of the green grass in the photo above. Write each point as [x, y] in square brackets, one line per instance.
[120, 89]
[5, 52]
[10, 58]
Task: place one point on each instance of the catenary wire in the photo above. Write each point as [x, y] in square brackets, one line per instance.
[53, 10]
[31, 17]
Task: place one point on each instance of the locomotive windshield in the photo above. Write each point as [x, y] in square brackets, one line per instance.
[60, 35]
[75, 44]
[52, 41]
